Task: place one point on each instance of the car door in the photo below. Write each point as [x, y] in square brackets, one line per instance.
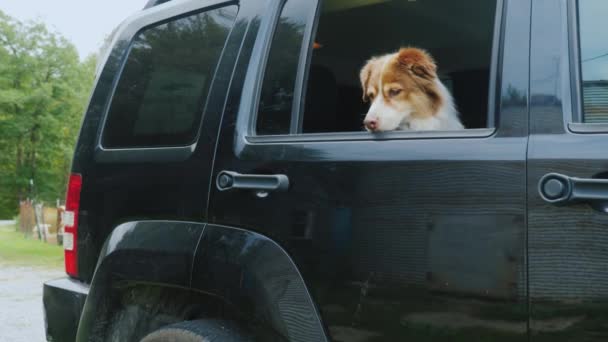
[566, 172]
[398, 236]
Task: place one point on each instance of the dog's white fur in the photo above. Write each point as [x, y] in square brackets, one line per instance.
[446, 118]
[401, 113]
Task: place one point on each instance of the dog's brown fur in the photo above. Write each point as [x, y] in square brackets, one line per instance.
[409, 84]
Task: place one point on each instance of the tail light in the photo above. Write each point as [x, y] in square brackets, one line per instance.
[70, 220]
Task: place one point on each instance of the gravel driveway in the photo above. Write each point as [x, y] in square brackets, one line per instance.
[21, 317]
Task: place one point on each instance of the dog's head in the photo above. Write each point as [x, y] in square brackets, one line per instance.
[400, 86]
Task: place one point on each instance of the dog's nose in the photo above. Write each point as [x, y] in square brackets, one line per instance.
[371, 124]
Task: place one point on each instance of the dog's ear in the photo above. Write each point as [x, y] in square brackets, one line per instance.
[419, 62]
[364, 76]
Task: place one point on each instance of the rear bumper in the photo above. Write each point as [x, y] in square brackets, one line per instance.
[63, 301]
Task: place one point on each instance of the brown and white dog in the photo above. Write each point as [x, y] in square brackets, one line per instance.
[406, 94]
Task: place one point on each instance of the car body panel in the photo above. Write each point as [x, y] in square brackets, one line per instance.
[567, 244]
[392, 233]
[121, 185]
[63, 300]
[253, 273]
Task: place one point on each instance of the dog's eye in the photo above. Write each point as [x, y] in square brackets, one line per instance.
[394, 92]
[371, 96]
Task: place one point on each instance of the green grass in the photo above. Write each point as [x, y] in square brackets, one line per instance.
[15, 249]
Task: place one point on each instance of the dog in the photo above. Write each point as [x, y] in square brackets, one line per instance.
[406, 94]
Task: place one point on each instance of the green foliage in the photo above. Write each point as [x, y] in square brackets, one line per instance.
[15, 250]
[43, 92]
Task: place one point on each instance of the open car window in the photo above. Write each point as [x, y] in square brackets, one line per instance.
[459, 36]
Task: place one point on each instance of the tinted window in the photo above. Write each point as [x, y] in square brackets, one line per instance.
[161, 93]
[594, 59]
[349, 33]
[276, 100]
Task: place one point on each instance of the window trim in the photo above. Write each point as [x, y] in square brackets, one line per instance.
[297, 118]
[365, 136]
[494, 88]
[576, 67]
[142, 21]
[575, 123]
[587, 128]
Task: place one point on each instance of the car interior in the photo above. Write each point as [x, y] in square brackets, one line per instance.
[458, 34]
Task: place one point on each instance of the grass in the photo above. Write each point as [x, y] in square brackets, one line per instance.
[15, 249]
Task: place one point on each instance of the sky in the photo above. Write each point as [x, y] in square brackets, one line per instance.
[85, 23]
[594, 48]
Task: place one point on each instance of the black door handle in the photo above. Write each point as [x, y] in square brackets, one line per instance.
[227, 180]
[556, 188]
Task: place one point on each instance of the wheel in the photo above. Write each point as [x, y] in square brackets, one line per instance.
[198, 331]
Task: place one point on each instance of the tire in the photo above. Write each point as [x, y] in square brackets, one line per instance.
[198, 331]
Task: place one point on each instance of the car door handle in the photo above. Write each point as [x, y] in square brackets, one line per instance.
[227, 180]
[556, 188]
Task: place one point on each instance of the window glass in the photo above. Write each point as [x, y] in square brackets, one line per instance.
[276, 100]
[161, 93]
[594, 59]
[457, 35]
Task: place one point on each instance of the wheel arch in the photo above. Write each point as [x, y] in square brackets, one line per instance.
[256, 274]
[151, 254]
[197, 263]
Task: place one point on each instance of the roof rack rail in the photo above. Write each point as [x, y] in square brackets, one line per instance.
[152, 3]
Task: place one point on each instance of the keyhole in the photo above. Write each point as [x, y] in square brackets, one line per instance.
[262, 194]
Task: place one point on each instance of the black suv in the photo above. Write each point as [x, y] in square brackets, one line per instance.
[223, 189]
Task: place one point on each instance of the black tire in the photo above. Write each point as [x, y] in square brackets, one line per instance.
[198, 331]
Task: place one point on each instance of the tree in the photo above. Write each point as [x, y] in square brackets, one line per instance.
[43, 92]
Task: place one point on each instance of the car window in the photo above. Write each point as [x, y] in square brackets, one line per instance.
[276, 100]
[456, 36]
[594, 59]
[161, 93]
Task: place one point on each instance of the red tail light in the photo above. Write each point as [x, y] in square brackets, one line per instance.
[70, 220]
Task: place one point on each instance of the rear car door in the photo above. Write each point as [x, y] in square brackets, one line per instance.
[398, 236]
[567, 168]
